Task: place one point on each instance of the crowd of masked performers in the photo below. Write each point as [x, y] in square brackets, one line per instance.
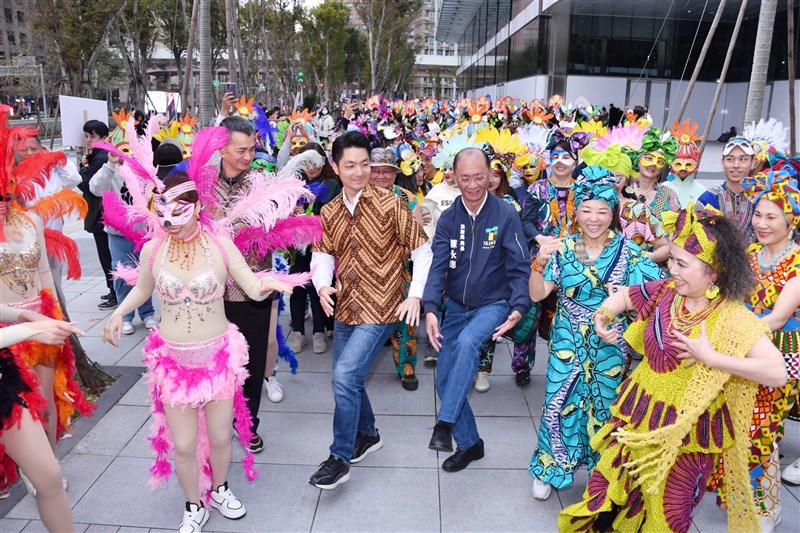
[671, 311]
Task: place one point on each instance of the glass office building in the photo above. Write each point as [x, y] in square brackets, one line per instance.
[625, 51]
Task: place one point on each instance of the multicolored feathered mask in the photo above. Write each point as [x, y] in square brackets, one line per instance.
[244, 108]
[118, 136]
[409, 160]
[575, 141]
[687, 156]
[657, 150]
[766, 134]
[502, 147]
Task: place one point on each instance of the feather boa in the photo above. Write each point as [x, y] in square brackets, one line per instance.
[69, 397]
[19, 385]
[293, 232]
[65, 250]
[284, 351]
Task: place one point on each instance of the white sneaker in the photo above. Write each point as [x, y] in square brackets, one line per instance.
[226, 503]
[767, 524]
[318, 343]
[150, 322]
[482, 382]
[194, 518]
[28, 485]
[791, 474]
[127, 328]
[274, 389]
[296, 341]
[541, 490]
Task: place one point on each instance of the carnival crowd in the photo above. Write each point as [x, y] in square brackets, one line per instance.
[671, 312]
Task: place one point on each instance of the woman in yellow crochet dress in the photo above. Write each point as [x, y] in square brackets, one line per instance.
[691, 398]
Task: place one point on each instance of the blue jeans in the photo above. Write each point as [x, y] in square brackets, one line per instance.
[122, 251]
[464, 332]
[354, 350]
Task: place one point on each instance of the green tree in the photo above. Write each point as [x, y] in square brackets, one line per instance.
[325, 39]
[172, 18]
[135, 33]
[355, 61]
[281, 20]
[72, 34]
[387, 27]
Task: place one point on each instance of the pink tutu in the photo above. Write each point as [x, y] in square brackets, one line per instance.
[190, 375]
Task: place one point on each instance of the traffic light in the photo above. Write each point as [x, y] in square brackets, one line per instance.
[299, 76]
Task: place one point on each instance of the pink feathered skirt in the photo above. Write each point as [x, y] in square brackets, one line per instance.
[190, 375]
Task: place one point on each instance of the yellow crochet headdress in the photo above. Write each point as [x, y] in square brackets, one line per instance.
[690, 234]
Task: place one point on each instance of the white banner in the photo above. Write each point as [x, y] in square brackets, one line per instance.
[75, 112]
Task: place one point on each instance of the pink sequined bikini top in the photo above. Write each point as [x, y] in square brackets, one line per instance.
[201, 290]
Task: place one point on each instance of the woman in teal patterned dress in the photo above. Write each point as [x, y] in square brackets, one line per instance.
[583, 372]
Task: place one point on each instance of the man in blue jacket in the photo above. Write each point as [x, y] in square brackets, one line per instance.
[481, 268]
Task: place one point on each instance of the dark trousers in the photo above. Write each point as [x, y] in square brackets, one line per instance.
[297, 303]
[252, 319]
[104, 254]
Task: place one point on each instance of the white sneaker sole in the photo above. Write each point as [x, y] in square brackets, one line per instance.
[230, 514]
[543, 496]
[344, 479]
[374, 448]
[202, 522]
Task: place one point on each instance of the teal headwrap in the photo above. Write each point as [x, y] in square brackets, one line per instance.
[596, 183]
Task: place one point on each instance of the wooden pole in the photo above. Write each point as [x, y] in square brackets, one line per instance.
[701, 59]
[790, 59]
[722, 76]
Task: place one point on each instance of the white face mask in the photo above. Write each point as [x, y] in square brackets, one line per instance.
[324, 111]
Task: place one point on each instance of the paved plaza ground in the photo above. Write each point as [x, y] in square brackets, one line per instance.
[399, 488]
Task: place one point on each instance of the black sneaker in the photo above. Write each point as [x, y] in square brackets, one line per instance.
[365, 445]
[109, 296]
[410, 382]
[257, 444]
[332, 473]
[523, 377]
[108, 305]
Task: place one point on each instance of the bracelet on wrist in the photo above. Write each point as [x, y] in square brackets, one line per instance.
[537, 265]
[606, 312]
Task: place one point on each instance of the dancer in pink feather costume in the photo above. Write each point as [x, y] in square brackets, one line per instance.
[196, 359]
